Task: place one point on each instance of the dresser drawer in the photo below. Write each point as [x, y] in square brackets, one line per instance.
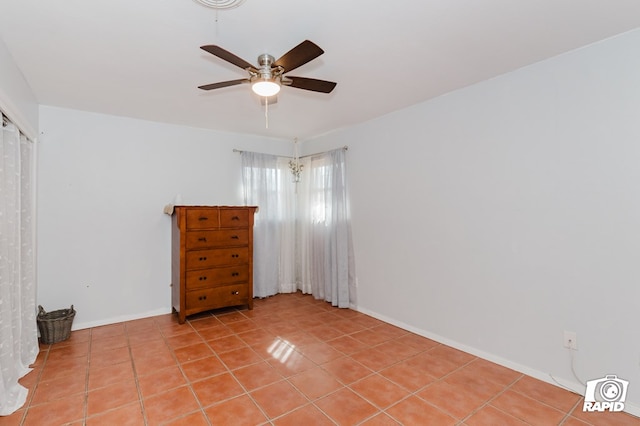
[217, 277]
[210, 298]
[200, 259]
[234, 218]
[221, 238]
[202, 218]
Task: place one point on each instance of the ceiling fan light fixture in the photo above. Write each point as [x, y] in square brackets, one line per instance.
[265, 88]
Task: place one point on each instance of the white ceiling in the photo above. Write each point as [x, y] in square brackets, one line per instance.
[141, 58]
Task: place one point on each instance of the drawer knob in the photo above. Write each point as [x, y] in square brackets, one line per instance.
[202, 278]
[235, 218]
[202, 298]
[203, 218]
[235, 293]
[235, 237]
[203, 239]
[235, 274]
[203, 258]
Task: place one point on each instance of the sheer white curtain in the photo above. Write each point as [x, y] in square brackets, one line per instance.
[302, 235]
[326, 266]
[268, 185]
[18, 328]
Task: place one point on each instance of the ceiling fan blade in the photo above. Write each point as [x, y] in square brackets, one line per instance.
[312, 84]
[227, 56]
[299, 55]
[223, 84]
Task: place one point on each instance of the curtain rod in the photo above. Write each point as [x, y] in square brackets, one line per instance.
[240, 151]
[6, 121]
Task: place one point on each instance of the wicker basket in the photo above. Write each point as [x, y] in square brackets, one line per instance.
[55, 326]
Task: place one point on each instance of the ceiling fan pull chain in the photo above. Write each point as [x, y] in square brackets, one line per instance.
[266, 112]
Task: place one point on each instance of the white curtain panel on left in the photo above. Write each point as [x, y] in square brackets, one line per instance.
[18, 328]
[268, 185]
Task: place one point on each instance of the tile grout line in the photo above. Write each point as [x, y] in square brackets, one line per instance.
[285, 379]
[135, 376]
[206, 342]
[488, 402]
[282, 379]
[441, 379]
[31, 394]
[262, 359]
[344, 385]
[569, 413]
[347, 385]
[246, 392]
[415, 393]
[86, 378]
[187, 381]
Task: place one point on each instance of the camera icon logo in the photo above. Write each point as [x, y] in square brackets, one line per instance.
[605, 394]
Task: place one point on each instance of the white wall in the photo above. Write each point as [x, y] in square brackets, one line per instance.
[16, 97]
[498, 216]
[104, 242]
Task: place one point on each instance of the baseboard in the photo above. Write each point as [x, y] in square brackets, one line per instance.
[123, 318]
[571, 386]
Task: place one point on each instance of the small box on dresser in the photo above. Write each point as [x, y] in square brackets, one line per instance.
[211, 258]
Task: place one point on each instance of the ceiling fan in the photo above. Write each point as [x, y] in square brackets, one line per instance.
[267, 78]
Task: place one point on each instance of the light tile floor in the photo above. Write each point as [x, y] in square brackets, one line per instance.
[290, 361]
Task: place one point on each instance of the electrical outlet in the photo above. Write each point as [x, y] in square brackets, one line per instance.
[570, 340]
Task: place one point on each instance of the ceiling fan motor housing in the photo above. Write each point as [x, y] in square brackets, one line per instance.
[265, 60]
[266, 71]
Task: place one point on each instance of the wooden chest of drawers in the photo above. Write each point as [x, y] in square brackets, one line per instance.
[211, 258]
